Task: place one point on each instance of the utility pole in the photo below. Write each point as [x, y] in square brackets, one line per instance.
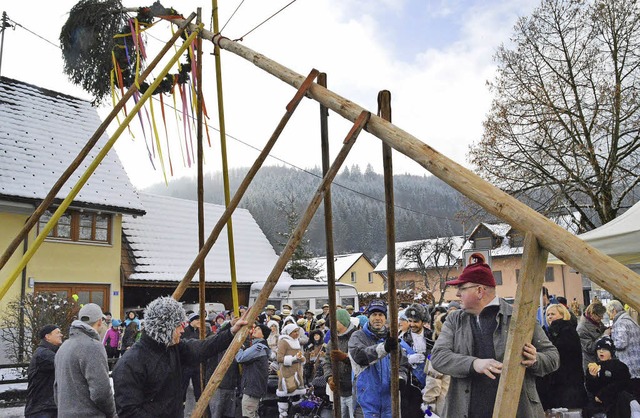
[5, 24]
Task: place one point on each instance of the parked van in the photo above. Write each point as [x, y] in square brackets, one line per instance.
[305, 294]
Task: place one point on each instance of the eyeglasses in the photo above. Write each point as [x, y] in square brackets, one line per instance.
[460, 289]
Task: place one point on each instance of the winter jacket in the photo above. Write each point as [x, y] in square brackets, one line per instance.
[290, 368]
[82, 387]
[626, 337]
[610, 385]
[345, 367]
[452, 354]
[589, 332]
[371, 366]
[564, 388]
[148, 377]
[41, 375]
[255, 368]
[111, 338]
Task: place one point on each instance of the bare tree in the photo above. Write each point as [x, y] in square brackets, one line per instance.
[434, 260]
[39, 309]
[562, 133]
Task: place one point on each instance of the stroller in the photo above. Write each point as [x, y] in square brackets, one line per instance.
[310, 406]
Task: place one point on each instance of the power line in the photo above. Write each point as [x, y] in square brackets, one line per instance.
[33, 33]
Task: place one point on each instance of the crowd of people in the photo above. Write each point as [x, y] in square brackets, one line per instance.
[450, 359]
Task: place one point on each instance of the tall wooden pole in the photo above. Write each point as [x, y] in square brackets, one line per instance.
[46, 202]
[328, 232]
[384, 111]
[284, 258]
[523, 320]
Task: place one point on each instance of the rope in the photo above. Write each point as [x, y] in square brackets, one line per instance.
[265, 21]
[230, 17]
[32, 32]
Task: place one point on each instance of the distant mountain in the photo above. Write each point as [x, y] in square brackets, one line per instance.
[425, 207]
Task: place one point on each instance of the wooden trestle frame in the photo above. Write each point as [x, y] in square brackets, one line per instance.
[542, 235]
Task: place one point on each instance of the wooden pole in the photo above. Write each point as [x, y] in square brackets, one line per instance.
[285, 256]
[46, 202]
[328, 232]
[233, 204]
[92, 167]
[600, 268]
[523, 320]
[384, 111]
[199, 133]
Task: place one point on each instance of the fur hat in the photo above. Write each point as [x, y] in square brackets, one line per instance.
[162, 316]
[417, 312]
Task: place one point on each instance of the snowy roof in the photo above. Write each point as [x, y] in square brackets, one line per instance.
[41, 133]
[164, 242]
[342, 264]
[430, 261]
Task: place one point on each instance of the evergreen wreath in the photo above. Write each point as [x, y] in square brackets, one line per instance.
[89, 36]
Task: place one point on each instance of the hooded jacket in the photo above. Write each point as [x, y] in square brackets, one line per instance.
[255, 368]
[41, 375]
[82, 388]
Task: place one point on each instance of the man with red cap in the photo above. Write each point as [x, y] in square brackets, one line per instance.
[471, 349]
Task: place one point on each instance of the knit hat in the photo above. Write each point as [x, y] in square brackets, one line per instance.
[479, 273]
[606, 343]
[288, 329]
[193, 317]
[162, 316]
[115, 323]
[266, 331]
[343, 316]
[377, 305]
[47, 329]
[363, 320]
[90, 313]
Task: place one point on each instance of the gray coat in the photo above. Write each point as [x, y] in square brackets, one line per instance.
[82, 387]
[589, 334]
[453, 355]
[345, 368]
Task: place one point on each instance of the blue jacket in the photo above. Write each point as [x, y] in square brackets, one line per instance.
[255, 363]
[371, 366]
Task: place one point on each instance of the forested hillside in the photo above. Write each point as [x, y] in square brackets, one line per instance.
[425, 206]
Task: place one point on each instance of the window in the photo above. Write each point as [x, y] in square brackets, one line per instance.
[370, 277]
[79, 226]
[407, 285]
[348, 301]
[353, 277]
[483, 243]
[300, 304]
[548, 275]
[498, 276]
[87, 293]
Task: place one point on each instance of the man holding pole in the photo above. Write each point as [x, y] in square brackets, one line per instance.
[369, 350]
[471, 348]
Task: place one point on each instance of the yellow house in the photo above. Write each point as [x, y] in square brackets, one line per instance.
[41, 132]
[355, 269]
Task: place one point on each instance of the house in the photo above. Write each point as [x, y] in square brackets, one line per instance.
[41, 132]
[425, 265]
[355, 269]
[159, 248]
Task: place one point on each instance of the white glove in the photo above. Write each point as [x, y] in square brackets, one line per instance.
[416, 358]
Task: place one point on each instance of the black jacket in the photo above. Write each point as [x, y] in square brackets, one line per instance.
[148, 378]
[345, 367]
[41, 375]
[613, 379]
[564, 388]
[255, 368]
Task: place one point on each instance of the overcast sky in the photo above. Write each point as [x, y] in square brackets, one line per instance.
[434, 56]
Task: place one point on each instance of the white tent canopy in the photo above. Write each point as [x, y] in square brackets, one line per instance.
[619, 238]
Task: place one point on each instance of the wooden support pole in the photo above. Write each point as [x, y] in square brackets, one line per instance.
[284, 258]
[523, 320]
[328, 232]
[233, 204]
[92, 168]
[384, 111]
[199, 134]
[48, 200]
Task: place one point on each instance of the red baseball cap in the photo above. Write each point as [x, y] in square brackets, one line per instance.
[478, 273]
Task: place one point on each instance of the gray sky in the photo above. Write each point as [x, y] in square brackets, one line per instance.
[434, 56]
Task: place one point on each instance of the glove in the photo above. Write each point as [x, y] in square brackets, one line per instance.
[331, 384]
[391, 343]
[337, 355]
[415, 358]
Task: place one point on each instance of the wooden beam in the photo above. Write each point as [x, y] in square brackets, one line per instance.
[272, 280]
[523, 321]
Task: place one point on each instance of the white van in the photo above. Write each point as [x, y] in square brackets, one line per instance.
[305, 294]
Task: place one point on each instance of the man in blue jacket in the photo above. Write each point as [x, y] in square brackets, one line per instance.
[369, 350]
[255, 370]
